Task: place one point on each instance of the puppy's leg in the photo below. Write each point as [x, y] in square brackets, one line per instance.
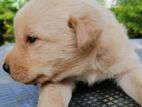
[131, 83]
[55, 95]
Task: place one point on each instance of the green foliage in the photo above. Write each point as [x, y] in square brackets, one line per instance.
[129, 12]
[102, 2]
[8, 9]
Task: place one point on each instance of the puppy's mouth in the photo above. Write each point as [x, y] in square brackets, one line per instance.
[39, 80]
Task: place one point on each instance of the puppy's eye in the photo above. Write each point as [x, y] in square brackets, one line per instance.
[31, 39]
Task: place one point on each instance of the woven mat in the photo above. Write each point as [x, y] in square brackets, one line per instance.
[105, 94]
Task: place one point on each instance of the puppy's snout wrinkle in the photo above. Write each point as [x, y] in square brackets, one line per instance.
[6, 68]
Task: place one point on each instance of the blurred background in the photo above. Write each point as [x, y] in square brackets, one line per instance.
[128, 12]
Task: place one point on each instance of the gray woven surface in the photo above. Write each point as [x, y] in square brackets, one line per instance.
[105, 94]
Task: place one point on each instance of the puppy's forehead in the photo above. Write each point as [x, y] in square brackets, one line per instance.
[46, 14]
[35, 10]
[32, 13]
[41, 13]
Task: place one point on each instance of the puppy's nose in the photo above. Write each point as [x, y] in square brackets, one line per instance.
[6, 68]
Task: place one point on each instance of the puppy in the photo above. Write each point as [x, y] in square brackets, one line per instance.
[76, 39]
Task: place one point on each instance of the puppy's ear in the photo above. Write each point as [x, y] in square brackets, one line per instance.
[86, 30]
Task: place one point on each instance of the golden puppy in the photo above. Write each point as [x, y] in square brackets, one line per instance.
[78, 39]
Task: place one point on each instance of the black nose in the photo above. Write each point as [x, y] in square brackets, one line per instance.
[6, 68]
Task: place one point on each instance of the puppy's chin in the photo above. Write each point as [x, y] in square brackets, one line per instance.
[28, 79]
[41, 79]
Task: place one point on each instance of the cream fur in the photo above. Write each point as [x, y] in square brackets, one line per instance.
[77, 39]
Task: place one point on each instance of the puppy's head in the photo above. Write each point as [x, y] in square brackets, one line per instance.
[52, 37]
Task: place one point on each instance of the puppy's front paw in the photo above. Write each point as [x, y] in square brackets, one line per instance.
[55, 95]
[131, 83]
